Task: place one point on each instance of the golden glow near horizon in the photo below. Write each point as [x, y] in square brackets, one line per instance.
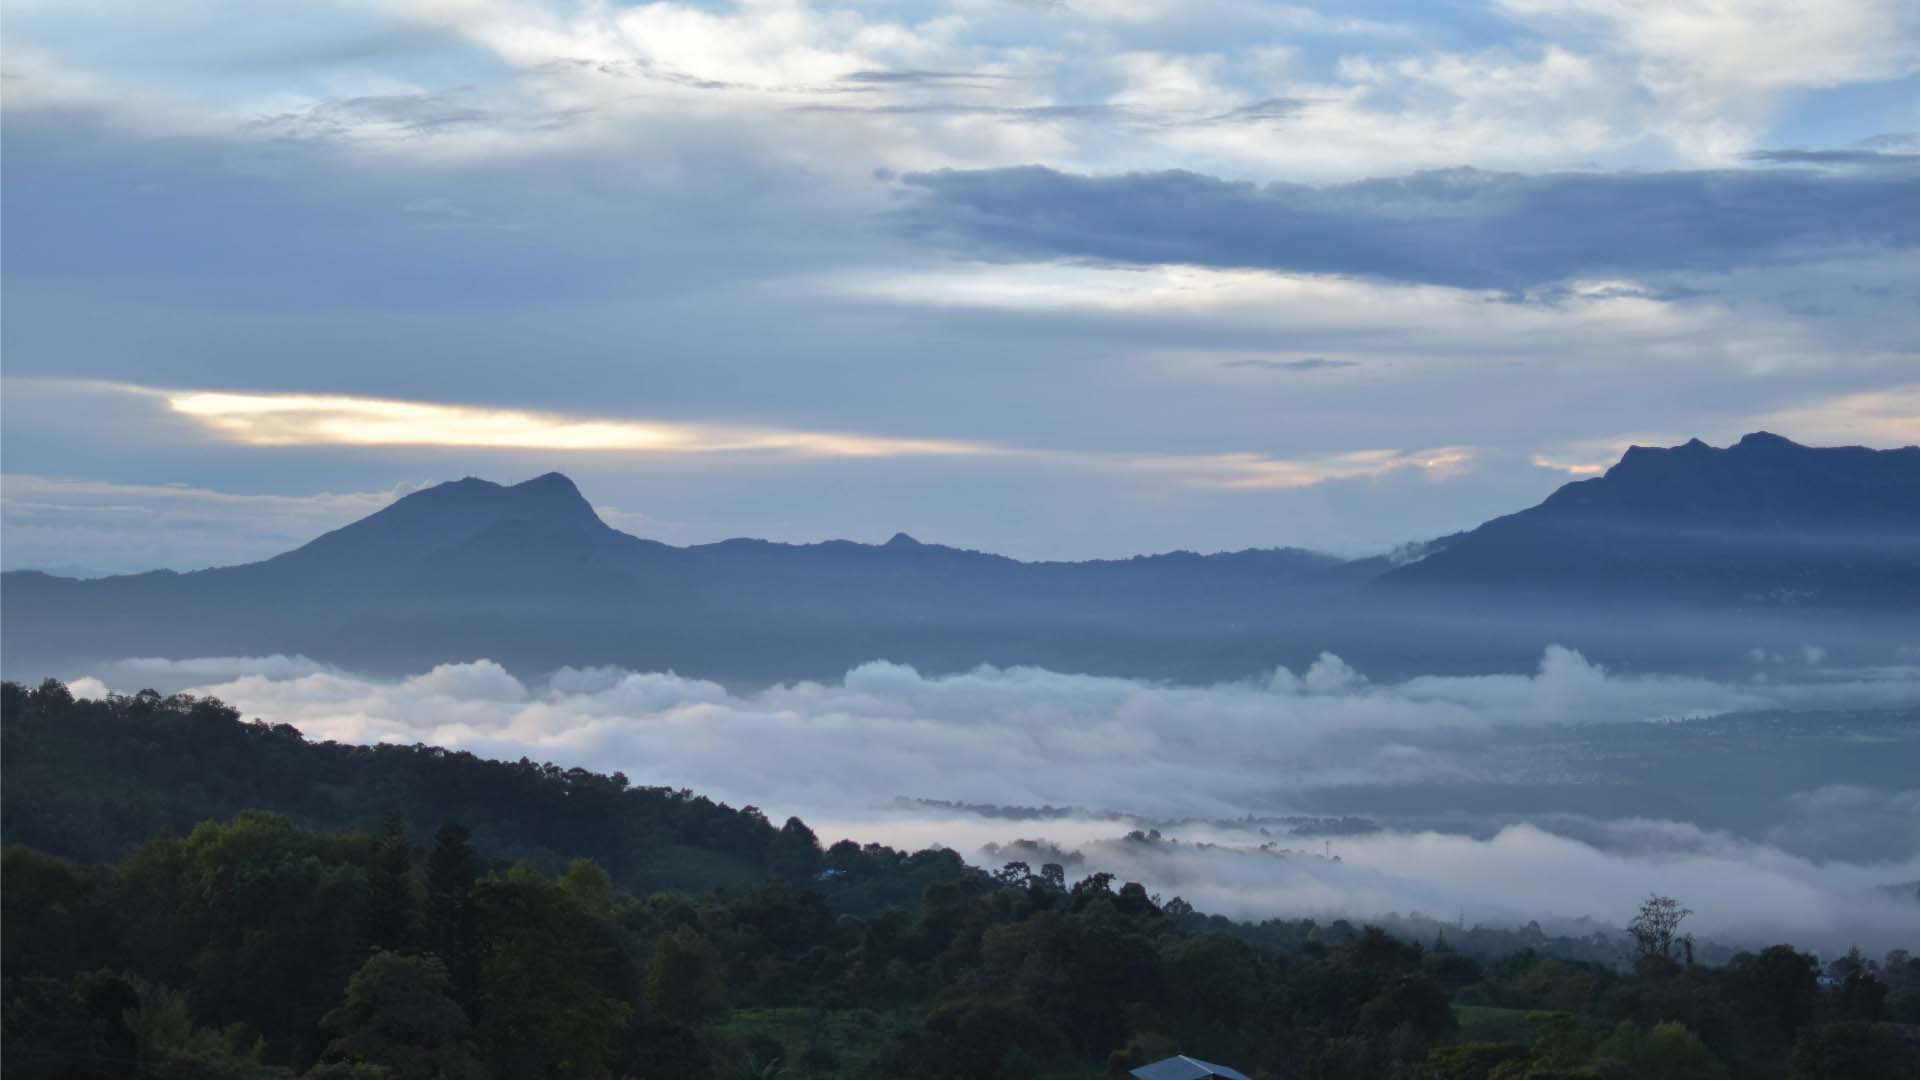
[315, 420]
[1254, 471]
[288, 420]
[1577, 469]
[1884, 418]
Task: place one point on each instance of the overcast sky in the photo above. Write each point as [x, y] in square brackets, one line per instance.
[1056, 279]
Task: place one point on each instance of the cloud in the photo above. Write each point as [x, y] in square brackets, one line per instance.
[1745, 892]
[1460, 227]
[1876, 418]
[941, 77]
[373, 115]
[306, 420]
[1305, 364]
[138, 673]
[1845, 820]
[1257, 472]
[1197, 759]
[1017, 736]
[1265, 111]
[1864, 159]
[277, 666]
[1701, 54]
[653, 213]
[83, 527]
[1522, 84]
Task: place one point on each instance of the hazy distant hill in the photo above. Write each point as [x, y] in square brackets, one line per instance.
[1763, 542]
[1766, 522]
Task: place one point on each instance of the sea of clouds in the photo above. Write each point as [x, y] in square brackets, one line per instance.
[842, 755]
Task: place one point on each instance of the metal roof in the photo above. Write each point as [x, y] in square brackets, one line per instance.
[1184, 1068]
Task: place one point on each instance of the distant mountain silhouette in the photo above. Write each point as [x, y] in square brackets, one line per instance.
[1766, 521]
[430, 521]
[1765, 541]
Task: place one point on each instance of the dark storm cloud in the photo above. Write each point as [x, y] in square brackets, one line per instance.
[1458, 227]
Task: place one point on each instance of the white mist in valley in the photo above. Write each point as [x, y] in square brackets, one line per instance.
[1318, 793]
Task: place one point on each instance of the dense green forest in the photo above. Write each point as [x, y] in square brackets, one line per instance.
[186, 894]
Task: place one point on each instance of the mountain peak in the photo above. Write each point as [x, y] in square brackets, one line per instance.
[1752, 520]
[1766, 441]
[902, 540]
[549, 483]
[432, 519]
[551, 498]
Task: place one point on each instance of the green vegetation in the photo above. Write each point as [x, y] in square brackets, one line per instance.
[302, 940]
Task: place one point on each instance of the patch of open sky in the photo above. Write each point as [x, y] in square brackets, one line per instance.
[236, 55]
[1844, 115]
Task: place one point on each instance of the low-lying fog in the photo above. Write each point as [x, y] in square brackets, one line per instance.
[1781, 808]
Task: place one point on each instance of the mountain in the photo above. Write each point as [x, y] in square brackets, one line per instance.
[529, 575]
[1711, 552]
[465, 511]
[1765, 522]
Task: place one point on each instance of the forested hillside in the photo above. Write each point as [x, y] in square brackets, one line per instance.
[87, 780]
[405, 911]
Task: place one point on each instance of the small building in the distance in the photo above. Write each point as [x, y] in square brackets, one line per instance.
[1184, 1068]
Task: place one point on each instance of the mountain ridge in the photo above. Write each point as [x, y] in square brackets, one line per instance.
[1763, 538]
[1760, 509]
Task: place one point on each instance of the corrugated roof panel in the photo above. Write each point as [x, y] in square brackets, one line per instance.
[1185, 1068]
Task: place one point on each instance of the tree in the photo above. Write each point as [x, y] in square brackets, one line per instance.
[1134, 899]
[1213, 976]
[398, 1015]
[684, 979]
[451, 923]
[1562, 1045]
[1656, 928]
[1413, 1002]
[1099, 884]
[794, 853]
[255, 903]
[1848, 964]
[1853, 1049]
[1666, 1050]
[975, 1037]
[73, 1028]
[53, 694]
[589, 887]
[1478, 1059]
[545, 1008]
[1898, 968]
[391, 908]
[169, 1044]
[1776, 989]
[1863, 998]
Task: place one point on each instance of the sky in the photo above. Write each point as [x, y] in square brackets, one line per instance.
[1052, 279]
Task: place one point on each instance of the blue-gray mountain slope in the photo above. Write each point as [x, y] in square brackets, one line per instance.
[1682, 558]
